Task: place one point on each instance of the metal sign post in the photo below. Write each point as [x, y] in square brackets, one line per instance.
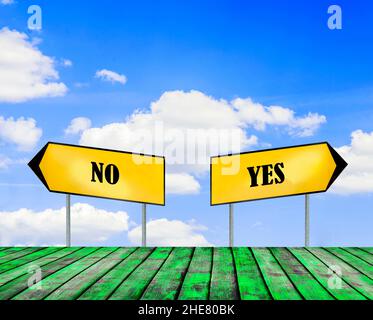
[68, 221]
[307, 220]
[102, 173]
[231, 224]
[274, 173]
[144, 225]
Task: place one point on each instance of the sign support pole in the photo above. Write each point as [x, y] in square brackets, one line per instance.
[307, 219]
[144, 225]
[231, 224]
[68, 221]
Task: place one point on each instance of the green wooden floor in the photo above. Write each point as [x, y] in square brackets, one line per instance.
[186, 273]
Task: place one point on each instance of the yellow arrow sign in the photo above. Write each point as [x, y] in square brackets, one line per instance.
[274, 173]
[101, 173]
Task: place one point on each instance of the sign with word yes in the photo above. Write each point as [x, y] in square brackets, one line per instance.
[274, 173]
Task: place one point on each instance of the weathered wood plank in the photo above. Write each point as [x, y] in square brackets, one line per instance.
[357, 263]
[57, 279]
[6, 266]
[18, 254]
[250, 281]
[8, 251]
[104, 287]
[77, 285]
[277, 281]
[133, 287]
[167, 281]
[12, 274]
[170, 273]
[17, 280]
[223, 278]
[324, 275]
[306, 284]
[197, 280]
[353, 277]
[367, 249]
[363, 255]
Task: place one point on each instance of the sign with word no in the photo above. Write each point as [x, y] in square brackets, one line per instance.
[101, 173]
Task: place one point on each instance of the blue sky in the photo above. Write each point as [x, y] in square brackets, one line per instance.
[275, 52]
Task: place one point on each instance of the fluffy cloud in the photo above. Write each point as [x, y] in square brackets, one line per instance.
[259, 116]
[163, 232]
[358, 175]
[22, 132]
[181, 183]
[4, 162]
[67, 63]
[189, 127]
[6, 2]
[25, 72]
[78, 125]
[89, 226]
[111, 76]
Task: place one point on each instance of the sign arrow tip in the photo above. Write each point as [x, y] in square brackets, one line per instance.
[340, 165]
[34, 164]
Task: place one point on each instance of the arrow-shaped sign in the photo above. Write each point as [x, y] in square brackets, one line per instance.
[101, 173]
[274, 173]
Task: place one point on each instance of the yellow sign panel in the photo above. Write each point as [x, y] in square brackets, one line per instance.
[274, 173]
[101, 173]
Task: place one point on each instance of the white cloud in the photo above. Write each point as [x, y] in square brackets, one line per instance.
[181, 183]
[4, 162]
[25, 72]
[257, 224]
[89, 225]
[259, 116]
[164, 232]
[22, 132]
[67, 63]
[169, 124]
[358, 175]
[81, 84]
[7, 2]
[78, 125]
[197, 126]
[111, 76]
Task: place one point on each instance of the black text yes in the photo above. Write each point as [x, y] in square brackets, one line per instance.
[110, 173]
[270, 174]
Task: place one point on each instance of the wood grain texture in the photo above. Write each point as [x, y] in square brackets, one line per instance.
[349, 274]
[355, 262]
[307, 285]
[360, 253]
[93, 273]
[133, 287]
[166, 283]
[249, 277]
[105, 286]
[279, 284]
[196, 285]
[333, 283]
[223, 278]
